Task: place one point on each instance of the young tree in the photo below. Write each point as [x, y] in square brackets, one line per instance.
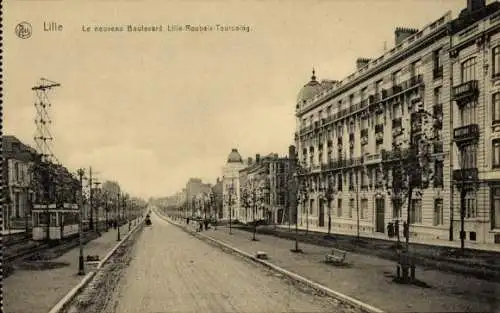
[407, 169]
[328, 193]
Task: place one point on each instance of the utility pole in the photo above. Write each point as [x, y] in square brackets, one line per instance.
[90, 200]
[81, 269]
[43, 137]
[254, 202]
[231, 206]
[357, 202]
[300, 191]
[118, 213]
[96, 184]
[106, 210]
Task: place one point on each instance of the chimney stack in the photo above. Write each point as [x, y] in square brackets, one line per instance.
[291, 152]
[249, 161]
[401, 33]
[474, 5]
[361, 62]
[257, 158]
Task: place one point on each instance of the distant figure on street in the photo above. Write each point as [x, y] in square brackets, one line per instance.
[187, 220]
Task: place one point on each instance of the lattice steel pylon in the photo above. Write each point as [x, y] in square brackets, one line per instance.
[43, 137]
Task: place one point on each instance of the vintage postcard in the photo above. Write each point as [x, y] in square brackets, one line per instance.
[250, 156]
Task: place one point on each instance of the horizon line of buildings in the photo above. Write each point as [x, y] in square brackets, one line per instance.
[249, 189]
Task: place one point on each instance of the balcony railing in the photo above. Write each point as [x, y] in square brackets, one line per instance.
[465, 174]
[306, 129]
[372, 158]
[393, 155]
[467, 89]
[466, 133]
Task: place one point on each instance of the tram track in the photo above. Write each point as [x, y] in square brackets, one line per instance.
[40, 251]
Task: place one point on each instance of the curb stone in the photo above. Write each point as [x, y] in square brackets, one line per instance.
[316, 286]
[73, 293]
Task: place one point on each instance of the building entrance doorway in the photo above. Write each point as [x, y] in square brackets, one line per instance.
[379, 215]
[321, 213]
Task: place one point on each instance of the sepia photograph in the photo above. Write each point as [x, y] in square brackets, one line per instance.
[220, 156]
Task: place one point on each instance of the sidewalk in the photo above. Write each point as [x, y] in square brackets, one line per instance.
[37, 291]
[369, 278]
[381, 236]
[481, 264]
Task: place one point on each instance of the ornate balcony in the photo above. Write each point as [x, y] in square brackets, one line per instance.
[465, 90]
[372, 159]
[465, 174]
[306, 129]
[466, 133]
[395, 155]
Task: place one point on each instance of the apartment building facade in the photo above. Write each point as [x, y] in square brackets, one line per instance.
[475, 110]
[279, 174]
[18, 167]
[347, 131]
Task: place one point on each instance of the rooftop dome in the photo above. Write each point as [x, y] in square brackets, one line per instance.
[309, 90]
[234, 157]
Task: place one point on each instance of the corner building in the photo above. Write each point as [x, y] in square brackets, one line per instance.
[346, 131]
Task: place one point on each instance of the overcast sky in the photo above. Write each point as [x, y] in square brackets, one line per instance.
[150, 110]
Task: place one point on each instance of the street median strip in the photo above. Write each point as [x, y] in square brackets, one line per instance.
[334, 294]
[68, 298]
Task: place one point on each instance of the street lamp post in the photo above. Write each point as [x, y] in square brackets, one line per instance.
[106, 210]
[81, 264]
[254, 205]
[97, 203]
[327, 195]
[117, 218]
[300, 194]
[231, 189]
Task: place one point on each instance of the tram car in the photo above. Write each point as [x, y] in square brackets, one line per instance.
[55, 221]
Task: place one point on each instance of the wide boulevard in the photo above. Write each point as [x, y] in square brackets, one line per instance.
[171, 271]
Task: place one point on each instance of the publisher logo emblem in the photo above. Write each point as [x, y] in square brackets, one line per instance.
[23, 30]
